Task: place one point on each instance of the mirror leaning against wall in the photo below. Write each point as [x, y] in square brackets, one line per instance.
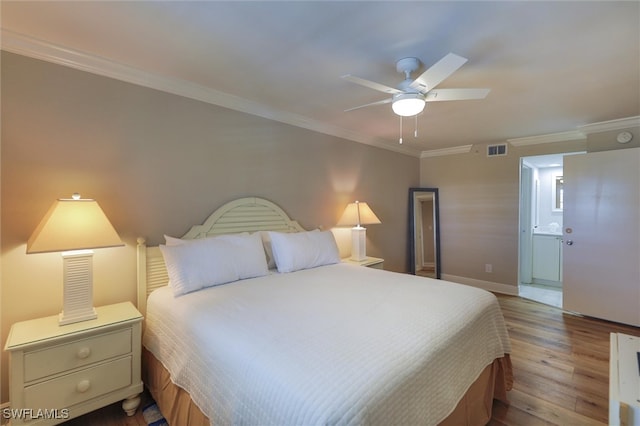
[424, 232]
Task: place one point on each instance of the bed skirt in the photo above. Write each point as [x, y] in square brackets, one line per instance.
[473, 409]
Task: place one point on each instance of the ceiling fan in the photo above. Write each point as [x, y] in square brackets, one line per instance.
[410, 96]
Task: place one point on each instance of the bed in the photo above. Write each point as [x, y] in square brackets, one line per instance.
[330, 343]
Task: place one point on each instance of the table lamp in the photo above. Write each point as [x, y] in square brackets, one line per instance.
[358, 214]
[73, 226]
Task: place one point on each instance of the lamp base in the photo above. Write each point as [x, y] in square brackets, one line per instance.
[65, 318]
[77, 302]
[358, 243]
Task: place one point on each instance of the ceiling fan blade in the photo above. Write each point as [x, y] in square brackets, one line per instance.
[384, 101]
[370, 84]
[456, 94]
[438, 72]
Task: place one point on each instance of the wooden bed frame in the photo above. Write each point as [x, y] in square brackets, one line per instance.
[249, 214]
[256, 214]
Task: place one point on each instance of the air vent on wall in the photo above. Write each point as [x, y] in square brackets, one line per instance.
[496, 150]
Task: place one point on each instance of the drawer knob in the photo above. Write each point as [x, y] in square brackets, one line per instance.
[83, 386]
[83, 353]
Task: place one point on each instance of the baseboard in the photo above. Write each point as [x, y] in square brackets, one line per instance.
[486, 285]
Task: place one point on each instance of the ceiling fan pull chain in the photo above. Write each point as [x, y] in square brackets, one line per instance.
[415, 132]
[400, 130]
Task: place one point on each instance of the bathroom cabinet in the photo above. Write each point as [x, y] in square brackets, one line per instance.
[547, 259]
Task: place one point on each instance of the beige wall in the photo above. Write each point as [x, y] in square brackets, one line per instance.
[479, 201]
[158, 163]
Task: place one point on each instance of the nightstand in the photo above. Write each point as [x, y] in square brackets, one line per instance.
[61, 372]
[370, 262]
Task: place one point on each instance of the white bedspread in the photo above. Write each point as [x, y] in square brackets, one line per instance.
[337, 344]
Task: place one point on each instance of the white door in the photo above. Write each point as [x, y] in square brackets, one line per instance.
[601, 257]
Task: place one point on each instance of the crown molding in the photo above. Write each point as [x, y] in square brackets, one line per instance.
[579, 134]
[573, 135]
[42, 50]
[605, 126]
[463, 149]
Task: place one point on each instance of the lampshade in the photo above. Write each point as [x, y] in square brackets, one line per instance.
[358, 214]
[408, 104]
[73, 224]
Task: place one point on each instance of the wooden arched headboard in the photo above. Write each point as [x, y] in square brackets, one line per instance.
[249, 214]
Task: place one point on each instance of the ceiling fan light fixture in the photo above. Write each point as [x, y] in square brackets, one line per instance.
[408, 104]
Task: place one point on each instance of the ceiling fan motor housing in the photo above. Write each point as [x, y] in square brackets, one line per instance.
[408, 65]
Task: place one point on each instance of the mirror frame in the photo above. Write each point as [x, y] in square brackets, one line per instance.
[557, 190]
[413, 193]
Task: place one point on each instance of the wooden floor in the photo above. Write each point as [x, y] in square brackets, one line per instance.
[429, 272]
[560, 362]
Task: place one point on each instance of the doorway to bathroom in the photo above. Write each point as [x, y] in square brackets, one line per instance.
[540, 237]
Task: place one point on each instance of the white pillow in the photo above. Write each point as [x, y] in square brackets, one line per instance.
[195, 264]
[198, 264]
[173, 241]
[249, 250]
[264, 236]
[303, 250]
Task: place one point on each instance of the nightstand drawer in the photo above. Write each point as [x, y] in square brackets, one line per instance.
[57, 359]
[82, 385]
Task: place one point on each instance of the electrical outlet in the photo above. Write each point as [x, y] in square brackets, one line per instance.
[488, 267]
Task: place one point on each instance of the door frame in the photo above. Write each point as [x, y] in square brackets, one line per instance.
[528, 200]
[525, 224]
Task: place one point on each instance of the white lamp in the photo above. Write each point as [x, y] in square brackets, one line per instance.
[358, 214]
[73, 226]
[408, 104]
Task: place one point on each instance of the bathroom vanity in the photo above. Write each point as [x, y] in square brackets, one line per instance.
[547, 258]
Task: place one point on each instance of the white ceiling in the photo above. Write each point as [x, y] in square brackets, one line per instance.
[551, 66]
